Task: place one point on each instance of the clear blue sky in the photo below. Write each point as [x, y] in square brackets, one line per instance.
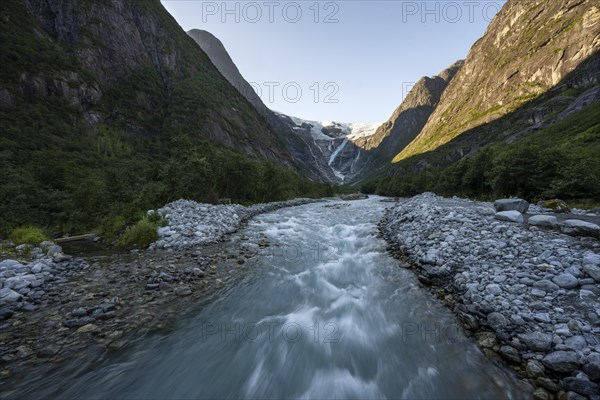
[364, 54]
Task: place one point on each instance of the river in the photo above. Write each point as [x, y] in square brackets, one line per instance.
[324, 312]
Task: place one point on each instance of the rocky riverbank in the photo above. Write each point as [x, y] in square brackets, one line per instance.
[54, 307]
[528, 294]
[191, 223]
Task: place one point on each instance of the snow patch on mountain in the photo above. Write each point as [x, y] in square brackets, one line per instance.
[352, 130]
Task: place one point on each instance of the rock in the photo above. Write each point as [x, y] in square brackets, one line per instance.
[537, 341]
[511, 354]
[561, 361]
[79, 312]
[511, 205]
[575, 343]
[183, 291]
[566, 281]
[10, 264]
[497, 320]
[198, 272]
[48, 351]
[558, 206]
[534, 369]
[592, 369]
[219, 283]
[590, 258]
[5, 313]
[593, 271]
[546, 285]
[581, 386]
[541, 394]
[87, 329]
[510, 216]
[9, 296]
[494, 289]
[576, 227]
[548, 221]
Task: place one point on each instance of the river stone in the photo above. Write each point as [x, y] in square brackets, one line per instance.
[575, 343]
[561, 361]
[581, 386]
[494, 289]
[183, 291]
[510, 216]
[537, 341]
[511, 205]
[548, 221]
[534, 369]
[590, 258]
[10, 264]
[546, 286]
[497, 320]
[592, 271]
[566, 281]
[5, 313]
[511, 354]
[592, 369]
[576, 227]
[9, 296]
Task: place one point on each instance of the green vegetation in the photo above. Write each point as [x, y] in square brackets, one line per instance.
[139, 235]
[27, 235]
[68, 176]
[560, 161]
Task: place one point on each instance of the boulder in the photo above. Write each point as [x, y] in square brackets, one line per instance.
[561, 361]
[537, 341]
[519, 205]
[548, 221]
[576, 227]
[593, 271]
[566, 281]
[9, 296]
[510, 216]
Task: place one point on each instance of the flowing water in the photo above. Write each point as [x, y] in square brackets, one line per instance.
[324, 312]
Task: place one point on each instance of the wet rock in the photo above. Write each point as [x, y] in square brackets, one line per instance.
[546, 285]
[79, 312]
[219, 283]
[48, 351]
[496, 320]
[511, 354]
[561, 361]
[5, 313]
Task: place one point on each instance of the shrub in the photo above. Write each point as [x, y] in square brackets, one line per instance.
[28, 235]
[139, 235]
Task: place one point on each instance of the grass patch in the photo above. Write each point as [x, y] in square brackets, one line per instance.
[28, 235]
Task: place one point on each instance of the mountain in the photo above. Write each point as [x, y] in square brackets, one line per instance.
[221, 59]
[407, 120]
[109, 108]
[333, 145]
[324, 151]
[528, 48]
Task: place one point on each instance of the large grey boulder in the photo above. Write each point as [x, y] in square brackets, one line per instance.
[592, 271]
[548, 221]
[510, 216]
[537, 341]
[9, 296]
[576, 227]
[519, 205]
[566, 281]
[561, 361]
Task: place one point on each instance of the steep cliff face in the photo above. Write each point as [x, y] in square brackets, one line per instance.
[406, 122]
[528, 48]
[127, 64]
[222, 60]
